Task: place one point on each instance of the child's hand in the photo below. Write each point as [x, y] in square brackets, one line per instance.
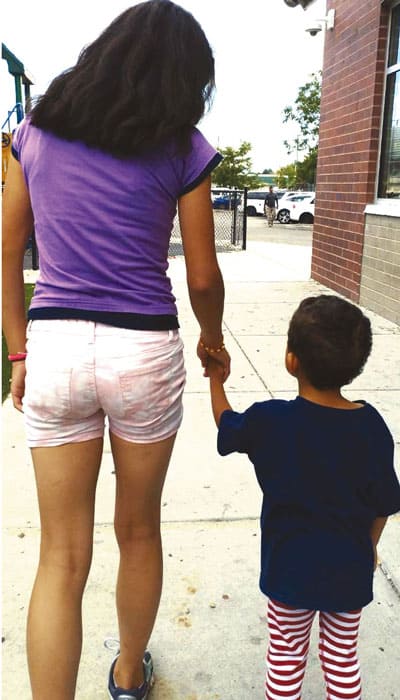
[214, 370]
[217, 374]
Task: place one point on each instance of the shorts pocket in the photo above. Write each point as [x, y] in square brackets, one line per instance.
[145, 391]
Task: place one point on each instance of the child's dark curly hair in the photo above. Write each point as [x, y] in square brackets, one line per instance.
[332, 340]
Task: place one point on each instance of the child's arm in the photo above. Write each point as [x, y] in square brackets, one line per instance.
[376, 530]
[219, 402]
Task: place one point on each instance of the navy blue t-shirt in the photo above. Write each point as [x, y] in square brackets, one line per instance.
[326, 474]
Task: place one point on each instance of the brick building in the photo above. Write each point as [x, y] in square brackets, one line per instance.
[356, 243]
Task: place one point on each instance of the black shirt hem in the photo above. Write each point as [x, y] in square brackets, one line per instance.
[142, 322]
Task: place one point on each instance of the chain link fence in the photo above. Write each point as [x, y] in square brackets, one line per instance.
[229, 207]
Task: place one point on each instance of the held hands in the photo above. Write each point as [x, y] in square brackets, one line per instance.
[219, 356]
[17, 385]
[219, 402]
[217, 366]
[214, 371]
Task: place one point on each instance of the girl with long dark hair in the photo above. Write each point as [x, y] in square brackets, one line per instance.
[100, 165]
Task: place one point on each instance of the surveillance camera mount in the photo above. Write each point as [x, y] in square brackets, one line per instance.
[317, 25]
[329, 20]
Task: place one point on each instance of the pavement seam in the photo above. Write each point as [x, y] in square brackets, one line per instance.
[244, 519]
[248, 359]
[389, 578]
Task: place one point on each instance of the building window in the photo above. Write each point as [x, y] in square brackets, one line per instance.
[389, 178]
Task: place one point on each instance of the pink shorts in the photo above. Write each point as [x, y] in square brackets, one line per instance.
[79, 372]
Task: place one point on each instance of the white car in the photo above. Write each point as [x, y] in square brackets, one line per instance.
[302, 210]
[290, 194]
[255, 202]
[290, 207]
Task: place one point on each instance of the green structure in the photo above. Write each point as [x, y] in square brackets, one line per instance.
[267, 179]
[23, 81]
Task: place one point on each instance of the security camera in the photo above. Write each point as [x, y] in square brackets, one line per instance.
[314, 29]
[317, 25]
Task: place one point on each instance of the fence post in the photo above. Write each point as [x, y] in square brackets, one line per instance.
[245, 189]
[234, 219]
[35, 255]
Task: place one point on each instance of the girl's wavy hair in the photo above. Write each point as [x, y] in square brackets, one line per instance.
[332, 340]
[146, 80]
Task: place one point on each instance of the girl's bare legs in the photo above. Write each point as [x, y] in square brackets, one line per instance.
[66, 478]
[140, 470]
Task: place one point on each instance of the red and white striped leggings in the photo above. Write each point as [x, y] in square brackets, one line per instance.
[289, 632]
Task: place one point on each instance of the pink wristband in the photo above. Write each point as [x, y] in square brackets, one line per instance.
[18, 356]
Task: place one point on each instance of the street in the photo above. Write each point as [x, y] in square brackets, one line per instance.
[295, 234]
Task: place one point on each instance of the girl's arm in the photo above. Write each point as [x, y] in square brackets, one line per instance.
[204, 279]
[376, 530]
[17, 227]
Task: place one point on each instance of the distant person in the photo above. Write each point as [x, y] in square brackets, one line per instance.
[325, 466]
[102, 163]
[270, 206]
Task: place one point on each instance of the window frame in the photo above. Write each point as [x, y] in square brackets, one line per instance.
[385, 206]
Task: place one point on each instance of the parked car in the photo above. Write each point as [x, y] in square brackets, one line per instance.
[225, 199]
[255, 202]
[286, 210]
[221, 201]
[289, 194]
[302, 210]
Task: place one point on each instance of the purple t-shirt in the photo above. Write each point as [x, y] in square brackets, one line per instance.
[103, 224]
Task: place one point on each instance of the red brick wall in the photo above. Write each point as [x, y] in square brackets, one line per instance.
[351, 108]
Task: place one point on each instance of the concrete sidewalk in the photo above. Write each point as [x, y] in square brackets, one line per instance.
[210, 638]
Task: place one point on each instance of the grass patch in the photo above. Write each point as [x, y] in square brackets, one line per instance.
[6, 365]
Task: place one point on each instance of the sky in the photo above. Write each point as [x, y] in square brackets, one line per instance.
[262, 56]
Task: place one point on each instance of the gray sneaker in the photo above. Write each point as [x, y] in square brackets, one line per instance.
[141, 693]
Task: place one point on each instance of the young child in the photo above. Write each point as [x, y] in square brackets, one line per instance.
[325, 466]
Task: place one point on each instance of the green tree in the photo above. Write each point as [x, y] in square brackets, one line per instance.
[287, 176]
[235, 169]
[300, 174]
[306, 114]
[306, 169]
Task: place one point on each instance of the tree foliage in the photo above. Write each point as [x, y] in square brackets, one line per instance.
[235, 168]
[300, 174]
[307, 168]
[306, 114]
[286, 177]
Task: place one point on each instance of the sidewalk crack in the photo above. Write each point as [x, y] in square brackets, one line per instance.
[234, 338]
